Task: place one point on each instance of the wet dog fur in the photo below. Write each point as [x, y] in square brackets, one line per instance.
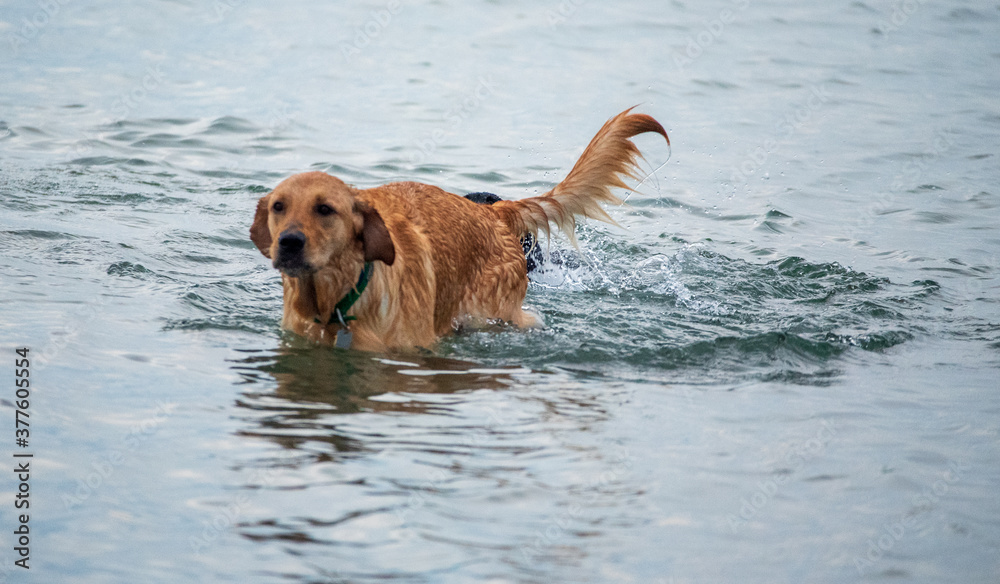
[438, 258]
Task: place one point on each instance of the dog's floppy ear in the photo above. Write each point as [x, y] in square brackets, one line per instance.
[374, 235]
[259, 232]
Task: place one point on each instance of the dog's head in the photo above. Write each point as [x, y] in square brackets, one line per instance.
[311, 218]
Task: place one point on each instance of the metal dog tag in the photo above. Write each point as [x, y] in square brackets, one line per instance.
[344, 338]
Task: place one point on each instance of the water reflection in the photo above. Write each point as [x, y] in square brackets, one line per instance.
[407, 459]
[299, 393]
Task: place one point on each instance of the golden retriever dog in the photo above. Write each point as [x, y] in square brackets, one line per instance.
[395, 267]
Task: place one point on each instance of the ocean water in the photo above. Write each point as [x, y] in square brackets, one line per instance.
[784, 367]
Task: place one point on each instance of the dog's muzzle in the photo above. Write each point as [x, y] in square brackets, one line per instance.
[291, 254]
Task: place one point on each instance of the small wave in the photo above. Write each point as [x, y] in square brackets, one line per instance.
[36, 234]
[129, 270]
[111, 161]
[871, 341]
[231, 125]
[260, 324]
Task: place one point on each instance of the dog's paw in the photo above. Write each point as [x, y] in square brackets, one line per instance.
[529, 318]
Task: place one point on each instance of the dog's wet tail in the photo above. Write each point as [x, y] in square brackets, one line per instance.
[609, 157]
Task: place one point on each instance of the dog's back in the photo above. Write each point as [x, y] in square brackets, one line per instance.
[475, 263]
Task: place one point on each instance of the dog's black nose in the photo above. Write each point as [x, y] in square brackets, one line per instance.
[292, 241]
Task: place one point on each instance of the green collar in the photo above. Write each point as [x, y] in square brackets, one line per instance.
[345, 304]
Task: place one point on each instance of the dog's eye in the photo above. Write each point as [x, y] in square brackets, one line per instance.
[324, 209]
[278, 207]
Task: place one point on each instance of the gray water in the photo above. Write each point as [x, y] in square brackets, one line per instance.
[783, 369]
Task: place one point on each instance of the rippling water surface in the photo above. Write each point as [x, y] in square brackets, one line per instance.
[785, 368]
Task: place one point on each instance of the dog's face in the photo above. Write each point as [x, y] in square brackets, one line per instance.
[311, 218]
